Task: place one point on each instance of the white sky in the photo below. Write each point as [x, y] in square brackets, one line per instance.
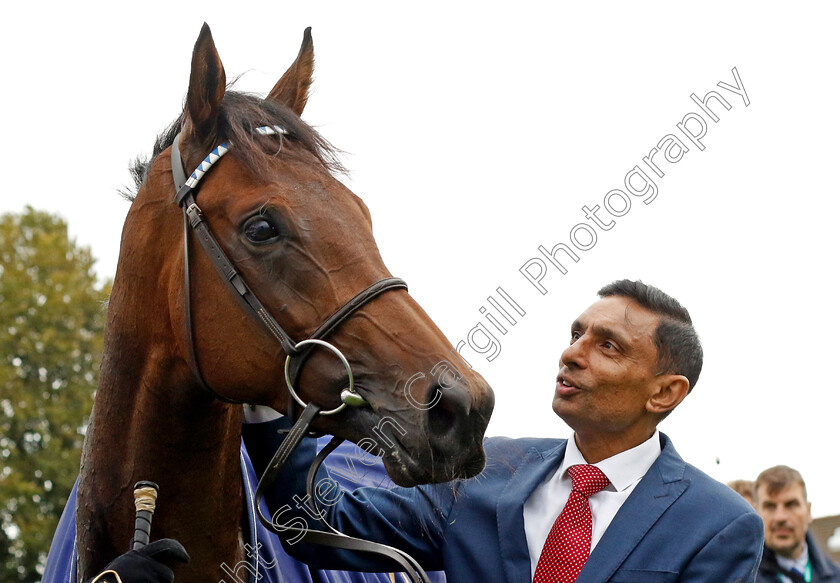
[476, 133]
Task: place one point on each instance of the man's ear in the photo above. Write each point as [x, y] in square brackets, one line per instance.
[670, 390]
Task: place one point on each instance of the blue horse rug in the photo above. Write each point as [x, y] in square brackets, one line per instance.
[267, 562]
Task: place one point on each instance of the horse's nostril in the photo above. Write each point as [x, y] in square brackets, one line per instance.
[441, 418]
[450, 416]
[455, 426]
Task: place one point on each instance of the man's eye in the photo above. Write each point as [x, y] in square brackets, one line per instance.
[575, 336]
[609, 345]
[260, 229]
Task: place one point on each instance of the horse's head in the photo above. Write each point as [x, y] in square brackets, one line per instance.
[303, 243]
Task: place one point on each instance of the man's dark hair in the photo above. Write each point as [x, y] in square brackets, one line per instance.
[777, 479]
[677, 344]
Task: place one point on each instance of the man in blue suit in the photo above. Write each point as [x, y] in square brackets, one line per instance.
[615, 502]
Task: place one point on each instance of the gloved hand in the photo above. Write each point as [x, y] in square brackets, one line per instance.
[145, 565]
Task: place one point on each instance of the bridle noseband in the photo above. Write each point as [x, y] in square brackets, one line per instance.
[296, 352]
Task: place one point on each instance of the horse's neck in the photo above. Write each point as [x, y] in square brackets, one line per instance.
[145, 426]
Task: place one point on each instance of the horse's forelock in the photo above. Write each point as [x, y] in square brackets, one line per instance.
[240, 114]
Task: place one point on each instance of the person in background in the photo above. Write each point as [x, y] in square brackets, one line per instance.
[790, 554]
[744, 488]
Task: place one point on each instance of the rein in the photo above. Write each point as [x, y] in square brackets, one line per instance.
[335, 538]
[296, 352]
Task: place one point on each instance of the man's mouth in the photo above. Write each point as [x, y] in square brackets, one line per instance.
[565, 387]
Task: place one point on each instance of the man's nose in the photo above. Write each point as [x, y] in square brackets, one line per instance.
[575, 355]
[780, 516]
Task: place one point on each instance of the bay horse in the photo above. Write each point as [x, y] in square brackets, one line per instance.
[180, 358]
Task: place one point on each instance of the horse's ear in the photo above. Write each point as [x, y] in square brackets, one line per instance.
[293, 87]
[207, 87]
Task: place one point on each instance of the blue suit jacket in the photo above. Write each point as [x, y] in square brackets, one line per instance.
[677, 525]
[824, 570]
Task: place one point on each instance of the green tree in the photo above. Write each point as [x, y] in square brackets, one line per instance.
[52, 316]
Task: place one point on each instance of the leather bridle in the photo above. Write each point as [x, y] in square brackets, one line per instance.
[296, 354]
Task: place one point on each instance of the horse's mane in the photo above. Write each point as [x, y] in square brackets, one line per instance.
[240, 114]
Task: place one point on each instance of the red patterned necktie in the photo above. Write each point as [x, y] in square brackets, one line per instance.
[567, 546]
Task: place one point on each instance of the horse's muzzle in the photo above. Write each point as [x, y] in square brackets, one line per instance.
[455, 427]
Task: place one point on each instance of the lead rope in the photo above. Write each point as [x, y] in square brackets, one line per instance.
[334, 539]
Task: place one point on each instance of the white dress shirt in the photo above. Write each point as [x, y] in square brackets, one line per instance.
[624, 471]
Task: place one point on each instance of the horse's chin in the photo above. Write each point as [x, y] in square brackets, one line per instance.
[407, 470]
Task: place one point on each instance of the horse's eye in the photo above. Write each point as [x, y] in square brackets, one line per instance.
[260, 229]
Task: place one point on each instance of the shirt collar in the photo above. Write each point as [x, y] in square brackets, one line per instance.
[799, 564]
[623, 469]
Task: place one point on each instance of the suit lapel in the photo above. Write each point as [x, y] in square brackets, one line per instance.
[658, 489]
[509, 519]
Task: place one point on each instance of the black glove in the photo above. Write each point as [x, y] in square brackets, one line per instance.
[147, 564]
